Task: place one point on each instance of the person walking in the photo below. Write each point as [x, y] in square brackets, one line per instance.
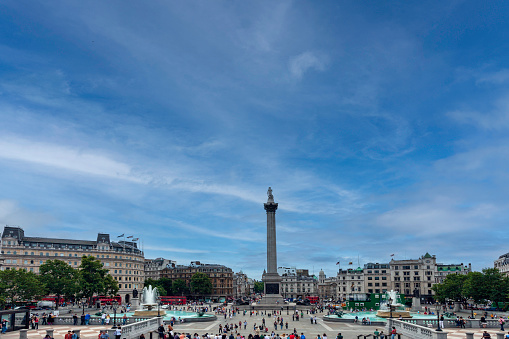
[501, 321]
[393, 333]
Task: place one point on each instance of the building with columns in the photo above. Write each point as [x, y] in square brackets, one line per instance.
[154, 267]
[502, 263]
[123, 259]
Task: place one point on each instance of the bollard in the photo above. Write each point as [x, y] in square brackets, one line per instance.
[111, 333]
[470, 335]
[78, 333]
[500, 335]
[50, 332]
[23, 334]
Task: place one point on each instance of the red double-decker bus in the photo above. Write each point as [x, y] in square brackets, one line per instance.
[60, 301]
[173, 300]
[313, 299]
[103, 300]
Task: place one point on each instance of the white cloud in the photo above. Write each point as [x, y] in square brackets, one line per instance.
[301, 63]
[67, 158]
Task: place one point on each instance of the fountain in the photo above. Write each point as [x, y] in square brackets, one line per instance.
[149, 303]
[391, 302]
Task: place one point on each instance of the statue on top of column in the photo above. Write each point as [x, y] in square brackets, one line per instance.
[269, 194]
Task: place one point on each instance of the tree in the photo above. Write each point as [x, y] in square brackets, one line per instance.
[156, 284]
[450, 288]
[201, 284]
[497, 285]
[19, 285]
[59, 278]
[166, 284]
[110, 286]
[179, 287]
[258, 287]
[92, 277]
[474, 287]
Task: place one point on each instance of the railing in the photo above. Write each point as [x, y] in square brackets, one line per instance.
[411, 330]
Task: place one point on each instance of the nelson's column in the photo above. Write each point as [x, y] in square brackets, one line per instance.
[271, 278]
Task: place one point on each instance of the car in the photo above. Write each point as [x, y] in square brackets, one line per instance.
[165, 307]
[304, 302]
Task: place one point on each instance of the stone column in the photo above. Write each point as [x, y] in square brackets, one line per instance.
[470, 335]
[500, 335]
[23, 334]
[271, 208]
[49, 332]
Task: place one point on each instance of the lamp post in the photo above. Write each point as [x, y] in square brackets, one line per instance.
[83, 304]
[115, 304]
[437, 307]
[390, 307]
[158, 304]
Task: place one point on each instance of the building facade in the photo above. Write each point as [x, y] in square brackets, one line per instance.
[297, 283]
[242, 285]
[154, 267]
[409, 277]
[502, 263]
[123, 259]
[220, 275]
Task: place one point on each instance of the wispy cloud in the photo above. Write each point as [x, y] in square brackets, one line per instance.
[306, 61]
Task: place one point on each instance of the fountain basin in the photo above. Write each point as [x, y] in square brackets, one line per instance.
[395, 314]
[149, 313]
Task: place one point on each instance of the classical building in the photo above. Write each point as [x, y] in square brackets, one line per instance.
[442, 271]
[502, 263]
[414, 277]
[242, 285]
[377, 278]
[221, 277]
[123, 259]
[298, 284]
[409, 277]
[154, 267]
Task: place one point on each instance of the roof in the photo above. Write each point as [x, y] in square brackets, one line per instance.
[60, 241]
[427, 255]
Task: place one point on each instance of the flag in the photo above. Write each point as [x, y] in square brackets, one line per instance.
[129, 237]
[337, 263]
[350, 263]
[120, 236]
[136, 239]
[392, 255]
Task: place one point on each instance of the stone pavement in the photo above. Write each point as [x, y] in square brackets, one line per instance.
[348, 330]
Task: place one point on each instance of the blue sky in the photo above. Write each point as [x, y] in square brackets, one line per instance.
[382, 127]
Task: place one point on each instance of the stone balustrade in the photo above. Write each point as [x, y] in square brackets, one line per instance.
[414, 331]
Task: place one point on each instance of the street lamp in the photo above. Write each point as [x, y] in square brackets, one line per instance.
[158, 304]
[83, 304]
[115, 304]
[437, 307]
[390, 307]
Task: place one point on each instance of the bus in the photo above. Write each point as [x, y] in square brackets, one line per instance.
[313, 299]
[104, 300]
[173, 300]
[59, 301]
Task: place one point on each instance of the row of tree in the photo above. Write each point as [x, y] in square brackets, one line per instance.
[200, 285]
[481, 287]
[58, 278]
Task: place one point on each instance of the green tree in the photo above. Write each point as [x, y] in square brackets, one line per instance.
[497, 285]
[450, 288]
[19, 285]
[474, 287]
[92, 277]
[179, 287]
[259, 287]
[166, 283]
[59, 278]
[201, 284]
[110, 286]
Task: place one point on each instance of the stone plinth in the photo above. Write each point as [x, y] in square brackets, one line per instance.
[135, 304]
[416, 304]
